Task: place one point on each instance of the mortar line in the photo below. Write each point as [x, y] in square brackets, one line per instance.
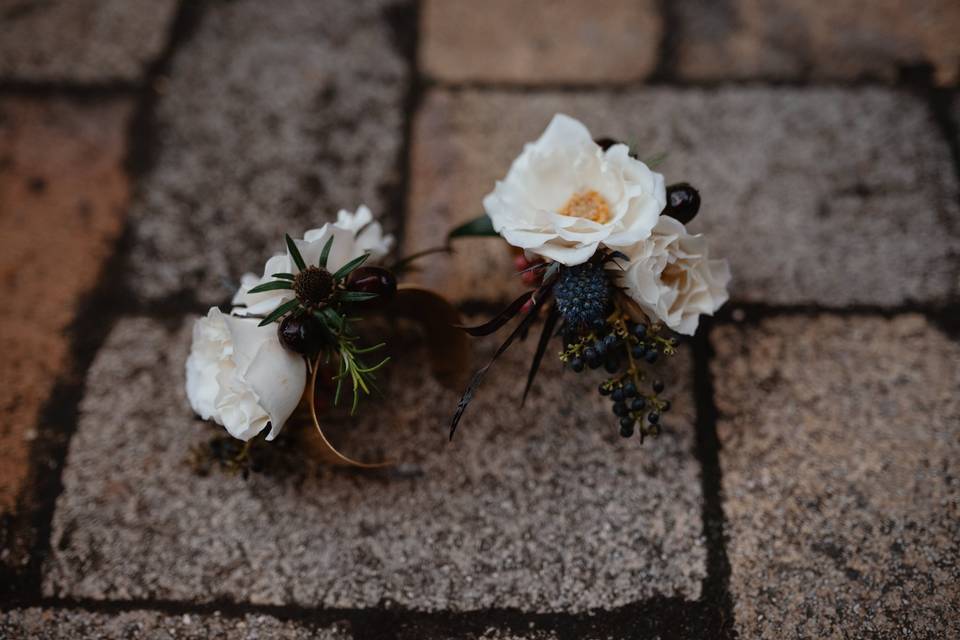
[715, 588]
[667, 49]
[382, 621]
[405, 22]
[656, 81]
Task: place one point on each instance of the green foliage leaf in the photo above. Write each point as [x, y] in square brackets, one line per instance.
[294, 252]
[357, 296]
[271, 286]
[280, 311]
[283, 276]
[331, 318]
[482, 226]
[346, 269]
[325, 253]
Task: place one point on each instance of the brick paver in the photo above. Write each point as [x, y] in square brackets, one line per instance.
[275, 116]
[63, 194]
[841, 442]
[539, 41]
[796, 39]
[826, 196]
[64, 624]
[82, 41]
[541, 509]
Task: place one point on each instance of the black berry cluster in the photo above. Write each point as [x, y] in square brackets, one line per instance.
[624, 348]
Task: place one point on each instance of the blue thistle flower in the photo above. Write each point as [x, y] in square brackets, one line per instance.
[583, 294]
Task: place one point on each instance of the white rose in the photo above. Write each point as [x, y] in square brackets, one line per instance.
[672, 279]
[240, 376]
[370, 236]
[564, 196]
[353, 235]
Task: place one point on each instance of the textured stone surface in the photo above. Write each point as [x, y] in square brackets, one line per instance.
[275, 116]
[65, 624]
[827, 196]
[63, 195]
[830, 40]
[841, 442]
[541, 509]
[538, 41]
[84, 41]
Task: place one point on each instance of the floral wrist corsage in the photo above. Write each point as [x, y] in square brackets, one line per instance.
[613, 267]
[294, 327]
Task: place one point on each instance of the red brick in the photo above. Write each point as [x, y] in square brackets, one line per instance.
[63, 194]
[833, 40]
[537, 41]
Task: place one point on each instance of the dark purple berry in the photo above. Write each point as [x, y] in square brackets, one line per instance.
[683, 202]
[651, 356]
[576, 364]
[653, 417]
[638, 404]
[612, 364]
[620, 409]
[629, 390]
[658, 386]
[605, 143]
[640, 330]
[373, 280]
[617, 394]
[301, 334]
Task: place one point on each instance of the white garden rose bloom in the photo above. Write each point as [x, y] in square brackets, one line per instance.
[370, 236]
[353, 235]
[240, 376]
[564, 196]
[672, 279]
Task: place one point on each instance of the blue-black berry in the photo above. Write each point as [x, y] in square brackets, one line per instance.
[658, 386]
[617, 394]
[683, 202]
[651, 356]
[653, 417]
[576, 364]
[620, 409]
[638, 404]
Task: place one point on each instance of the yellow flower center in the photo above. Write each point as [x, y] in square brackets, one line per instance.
[587, 204]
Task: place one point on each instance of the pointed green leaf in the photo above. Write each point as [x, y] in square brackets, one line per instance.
[482, 226]
[295, 253]
[280, 311]
[283, 276]
[271, 286]
[331, 317]
[350, 266]
[357, 296]
[325, 253]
